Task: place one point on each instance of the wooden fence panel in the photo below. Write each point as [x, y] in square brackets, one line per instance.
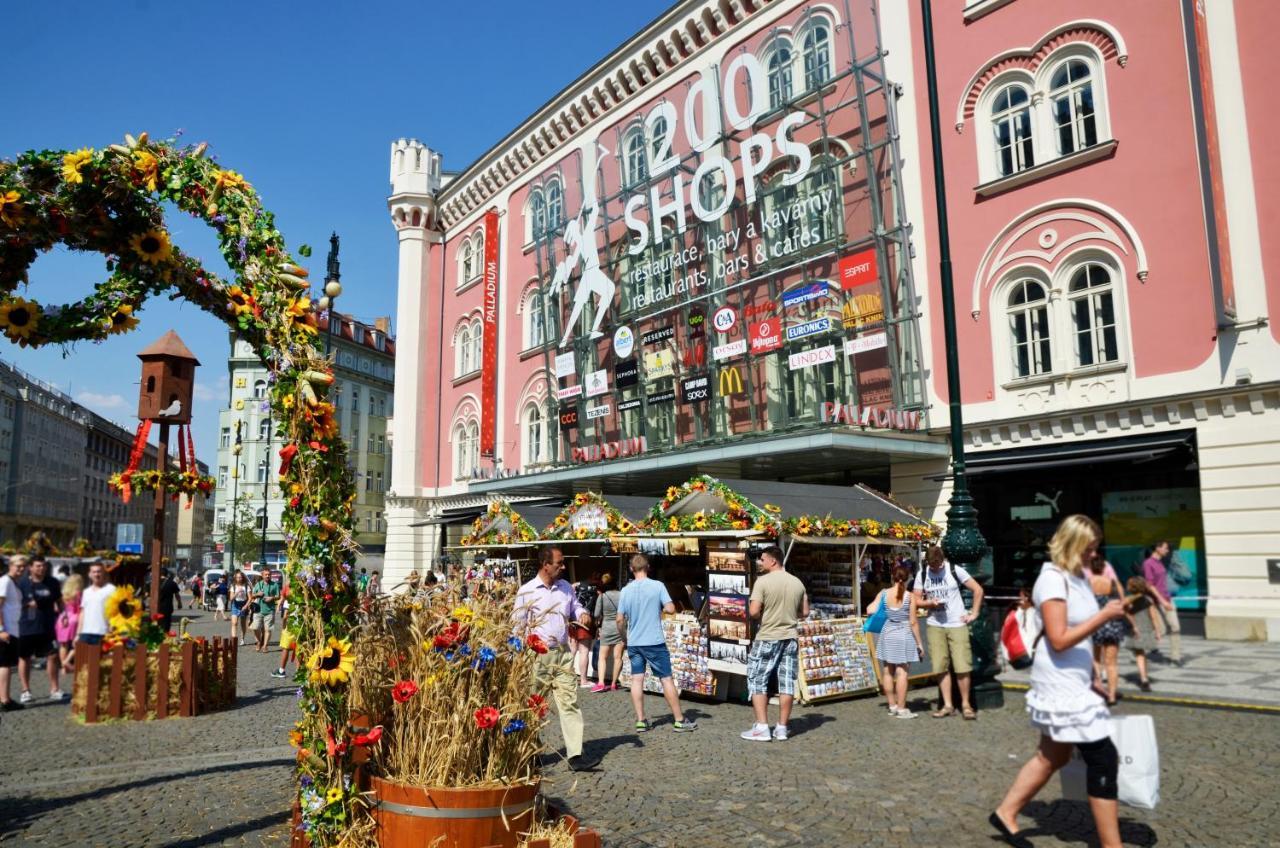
[115, 693]
[162, 682]
[140, 682]
[89, 658]
[186, 694]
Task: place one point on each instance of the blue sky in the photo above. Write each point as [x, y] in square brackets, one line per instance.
[304, 99]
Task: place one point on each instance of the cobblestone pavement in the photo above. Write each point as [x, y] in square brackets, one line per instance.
[849, 775]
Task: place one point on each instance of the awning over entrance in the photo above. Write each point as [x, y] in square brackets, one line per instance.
[1128, 449]
[785, 455]
[810, 499]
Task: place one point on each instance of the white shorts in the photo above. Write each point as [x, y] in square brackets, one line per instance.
[222, 603]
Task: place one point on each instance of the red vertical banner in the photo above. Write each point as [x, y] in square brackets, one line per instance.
[489, 364]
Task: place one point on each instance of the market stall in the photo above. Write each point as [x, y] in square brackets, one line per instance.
[584, 530]
[500, 548]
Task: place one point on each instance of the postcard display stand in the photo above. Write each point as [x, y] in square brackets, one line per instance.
[827, 573]
[728, 598]
[687, 642]
[837, 660]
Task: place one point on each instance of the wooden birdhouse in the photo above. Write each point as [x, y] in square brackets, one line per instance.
[168, 381]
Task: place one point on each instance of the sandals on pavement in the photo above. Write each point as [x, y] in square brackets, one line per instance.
[969, 714]
[944, 712]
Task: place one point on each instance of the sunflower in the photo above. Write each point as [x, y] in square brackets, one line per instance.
[580, 533]
[673, 524]
[124, 610]
[73, 162]
[153, 246]
[146, 169]
[19, 318]
[334, 795]
[239, 301]
[229, 179]
[10, 208]
[333, 664]
[122, 320]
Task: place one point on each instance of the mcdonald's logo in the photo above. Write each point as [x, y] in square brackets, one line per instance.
[731, 381]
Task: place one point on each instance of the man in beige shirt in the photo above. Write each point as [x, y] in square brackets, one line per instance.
[778, 600]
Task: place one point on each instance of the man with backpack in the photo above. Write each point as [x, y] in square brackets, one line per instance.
[937, 589]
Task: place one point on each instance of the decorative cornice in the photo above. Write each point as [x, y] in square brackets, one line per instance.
[648, 57]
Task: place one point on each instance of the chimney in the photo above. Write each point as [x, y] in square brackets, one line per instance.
[383, 324]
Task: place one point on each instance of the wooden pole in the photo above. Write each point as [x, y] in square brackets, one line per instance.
[157, 529]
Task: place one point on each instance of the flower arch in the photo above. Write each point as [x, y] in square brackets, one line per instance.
[109, 201]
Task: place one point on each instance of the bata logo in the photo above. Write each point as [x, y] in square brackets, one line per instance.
[608, 450]
[757, 310]
[766, 335]
[880, 417]
[724, 319]
[809, 358]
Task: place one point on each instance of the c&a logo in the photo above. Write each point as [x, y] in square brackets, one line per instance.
[731, 381]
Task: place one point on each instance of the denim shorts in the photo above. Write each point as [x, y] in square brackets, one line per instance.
[657, 657]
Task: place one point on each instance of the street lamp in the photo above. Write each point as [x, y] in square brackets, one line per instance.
[266, 490]
[963, 542]
[332, 288]
[235, 498]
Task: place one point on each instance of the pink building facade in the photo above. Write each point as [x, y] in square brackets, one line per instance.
[716, 251]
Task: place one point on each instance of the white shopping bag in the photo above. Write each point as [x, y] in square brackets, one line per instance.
[1139, 779]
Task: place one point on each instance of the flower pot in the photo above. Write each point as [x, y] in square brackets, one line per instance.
[415, 816]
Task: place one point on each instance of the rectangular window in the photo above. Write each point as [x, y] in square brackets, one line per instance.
[379, 476]
[224, 438]
[368, 482]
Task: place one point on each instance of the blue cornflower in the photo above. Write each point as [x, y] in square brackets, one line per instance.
[311, 520]
[484, 657]
[512, 726]
[448, 656]
[515, 644]
[464, 651]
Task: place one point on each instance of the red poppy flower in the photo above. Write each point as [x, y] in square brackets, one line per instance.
[403, 691]
[487, 717]
[331, 745]
[536, 644]
[539, 705]
[450, 637]
[370, 738]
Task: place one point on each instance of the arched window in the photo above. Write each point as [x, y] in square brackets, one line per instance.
[535, 436]
[473, 446]
[637, 157]
[468, 261]
[538, 213]
[1093, 315]
[1029, 329]
[537, 323]
[1071, 97]
[822, 189]
[777, 197]
[816, 51]
[462, 352]
[1011, 123]
[259, 389]
[658, 137]
[555, 205]
[780, 84]
[477, 344]
[461, 451]
[264, 429]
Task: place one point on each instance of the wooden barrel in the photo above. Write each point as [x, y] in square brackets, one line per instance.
[413, 816]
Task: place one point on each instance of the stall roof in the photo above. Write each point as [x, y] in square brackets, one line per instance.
[797, 499]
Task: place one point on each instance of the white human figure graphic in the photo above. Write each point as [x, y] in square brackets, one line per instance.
[581, 241]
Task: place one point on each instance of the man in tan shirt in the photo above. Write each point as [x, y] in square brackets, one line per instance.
[778, 600]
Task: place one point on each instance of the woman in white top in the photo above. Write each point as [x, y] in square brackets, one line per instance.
[1064, 705]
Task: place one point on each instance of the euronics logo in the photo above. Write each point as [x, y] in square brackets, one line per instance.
[808, 328]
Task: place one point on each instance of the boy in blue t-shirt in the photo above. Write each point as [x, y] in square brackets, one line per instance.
[640, 609]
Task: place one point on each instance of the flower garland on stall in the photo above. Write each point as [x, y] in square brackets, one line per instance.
[561, 527]
[109, 201]
[739, 514]
[838, 528]
[499, 525]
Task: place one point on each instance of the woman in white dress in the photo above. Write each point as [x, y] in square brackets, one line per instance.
[1064, 705]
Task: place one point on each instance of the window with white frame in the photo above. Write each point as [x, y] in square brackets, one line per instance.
[535, 322]
[260, 520]
[822, 188]
[259, 389]
[264, 429]
[534, 444]
[462, 351]
[779, 66]
[1026, 120]
[554, 205]
[537, 214]
[637, 157]
[1075, 123]
[1091, 300]
[1011, 126]
[779, 196]
[466, 262]
[815, 49]
[224, 437]
[477, 344]
[466, 449]
[1029, 328]
[262, 471]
